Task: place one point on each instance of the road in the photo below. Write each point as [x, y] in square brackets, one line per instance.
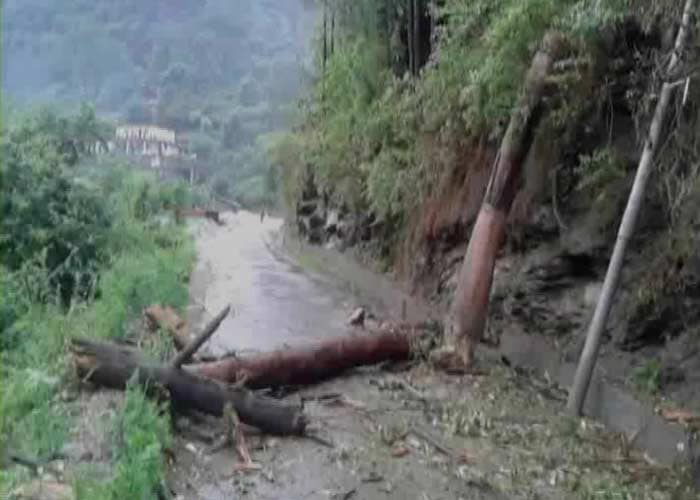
[277, 303]
[274, 303]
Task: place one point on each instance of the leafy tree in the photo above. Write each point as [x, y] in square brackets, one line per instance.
[50, 221]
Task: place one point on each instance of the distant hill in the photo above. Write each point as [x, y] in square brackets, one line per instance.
[223, 72]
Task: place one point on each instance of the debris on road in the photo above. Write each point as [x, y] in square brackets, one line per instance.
[212, 215]
[167, 319]
[357, 318]
[112, 365]
[318, 362]
[681, 416]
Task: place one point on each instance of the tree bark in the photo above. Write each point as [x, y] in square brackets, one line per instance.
[325, 36]
[301, 366]
[474, 285]
[417, 52]
[168, 319]
[113, 366]
[410, 39]
[629, 220]
[332, 48]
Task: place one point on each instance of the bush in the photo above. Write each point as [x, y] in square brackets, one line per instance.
[108, 209]
[381, 142]
[141, 434]
[46, 215]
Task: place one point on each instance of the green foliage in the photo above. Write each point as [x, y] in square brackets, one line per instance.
[136, 261]
[44, 213]
[599, 169]
[141, 434]
[647, 377]
[381, 142]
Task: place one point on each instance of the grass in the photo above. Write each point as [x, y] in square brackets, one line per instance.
[526, 449]
[141, 433]
[646, 378]
[35, 421]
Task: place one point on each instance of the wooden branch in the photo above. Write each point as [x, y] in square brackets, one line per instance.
[111, 365]
[186, 354]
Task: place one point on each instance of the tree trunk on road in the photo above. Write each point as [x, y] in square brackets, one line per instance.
[113, 366]
[308, 365]
[474, 285]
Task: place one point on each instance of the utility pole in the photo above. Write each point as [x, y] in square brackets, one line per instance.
[589, 355]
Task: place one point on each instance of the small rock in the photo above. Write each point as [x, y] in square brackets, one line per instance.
[191, 448]
[357, 318]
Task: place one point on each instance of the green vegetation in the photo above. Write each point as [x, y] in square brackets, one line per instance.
[646, 378]
[142, 434]
[81, 256]
[220, 73]
[377, 137]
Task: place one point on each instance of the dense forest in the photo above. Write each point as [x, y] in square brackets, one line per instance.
[222, 74]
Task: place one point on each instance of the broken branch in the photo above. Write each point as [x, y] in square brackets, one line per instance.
[186, 354]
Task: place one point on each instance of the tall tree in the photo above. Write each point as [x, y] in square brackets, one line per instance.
[474, 285]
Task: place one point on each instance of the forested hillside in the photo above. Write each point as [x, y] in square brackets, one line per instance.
[222, 74]
[396, 149]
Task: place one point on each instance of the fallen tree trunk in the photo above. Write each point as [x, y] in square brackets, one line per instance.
[212, 215]
[167, 319]
[475, 277]
[113, 366]
[188, 351]
[308, 365]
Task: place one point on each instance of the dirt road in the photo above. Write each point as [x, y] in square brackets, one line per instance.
[439, 437]
[276, 303]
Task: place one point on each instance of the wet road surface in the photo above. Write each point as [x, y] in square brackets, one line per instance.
[273, 302]
[277, 303]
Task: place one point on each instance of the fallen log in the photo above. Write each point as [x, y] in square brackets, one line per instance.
[110, 365]
[312, 364]
[212, 215]
[166, 318]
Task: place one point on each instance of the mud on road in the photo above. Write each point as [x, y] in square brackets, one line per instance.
[392, 432]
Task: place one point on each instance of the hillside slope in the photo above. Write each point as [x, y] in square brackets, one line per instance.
[393, 163]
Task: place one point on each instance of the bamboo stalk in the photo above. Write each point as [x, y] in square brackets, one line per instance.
[612, 278]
